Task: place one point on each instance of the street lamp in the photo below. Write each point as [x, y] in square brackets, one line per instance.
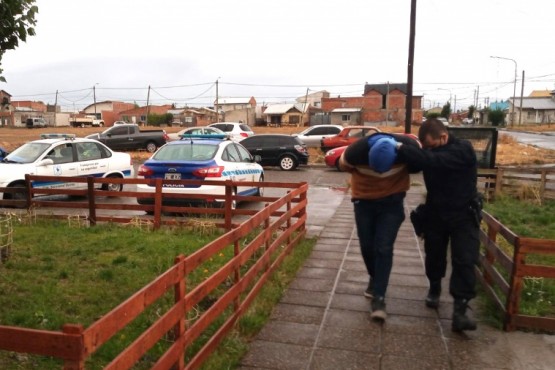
[514, 89]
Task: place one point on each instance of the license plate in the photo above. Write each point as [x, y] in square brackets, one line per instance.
[172, 176]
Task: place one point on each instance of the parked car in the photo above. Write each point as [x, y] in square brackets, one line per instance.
[287, 152]
[332, 156]
[468, 121]
[35, 122]
[236, 130]
[444, 120]
[131, 137]
[200, 159]
[62, 156]
[196, 131]
[313, 135]
[348, 135]
[120, 123]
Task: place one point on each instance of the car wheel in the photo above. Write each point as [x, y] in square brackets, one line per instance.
[337, 165]
[260, 190]
[112, 186]
[21, 195]
[287, 163]
[150, 147]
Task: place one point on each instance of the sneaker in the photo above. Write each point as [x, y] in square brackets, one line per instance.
[432, 299]
[369, 292]
[378, 309]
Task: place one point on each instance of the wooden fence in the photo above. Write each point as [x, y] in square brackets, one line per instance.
[503, 275]
[531, 182]
[259, 246]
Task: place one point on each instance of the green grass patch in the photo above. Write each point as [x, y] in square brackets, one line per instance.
[529, 219]
[57, 275]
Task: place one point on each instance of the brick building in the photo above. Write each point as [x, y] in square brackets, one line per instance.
[380, 104]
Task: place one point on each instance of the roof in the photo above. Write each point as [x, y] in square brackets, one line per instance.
[384, 88]
[346, 110]
[283, 108]
[540, 93]
[501, 105]
[536, 103]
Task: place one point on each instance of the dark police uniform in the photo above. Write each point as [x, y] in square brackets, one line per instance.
[450, 173]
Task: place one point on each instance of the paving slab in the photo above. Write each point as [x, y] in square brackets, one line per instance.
[323, 320]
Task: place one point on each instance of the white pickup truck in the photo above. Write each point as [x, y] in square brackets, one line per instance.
[83, 121]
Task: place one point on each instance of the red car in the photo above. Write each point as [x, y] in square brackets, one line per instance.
[348, 135]
[332, 157]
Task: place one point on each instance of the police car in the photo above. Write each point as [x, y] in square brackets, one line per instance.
[62, 155]
[200, 159]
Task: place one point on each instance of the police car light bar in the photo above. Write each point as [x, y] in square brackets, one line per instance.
[58, 136]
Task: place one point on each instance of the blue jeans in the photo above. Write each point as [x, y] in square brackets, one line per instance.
[378, 222]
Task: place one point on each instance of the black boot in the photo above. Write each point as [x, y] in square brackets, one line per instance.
[461, 322]
[432, 300]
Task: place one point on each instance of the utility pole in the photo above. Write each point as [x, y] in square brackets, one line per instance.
[94, 100]
[410, 67]
[147, 105]
[55, 107]
[521, 93]
[216, 106]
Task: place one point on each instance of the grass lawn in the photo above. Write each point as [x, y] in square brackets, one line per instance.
[57, 275]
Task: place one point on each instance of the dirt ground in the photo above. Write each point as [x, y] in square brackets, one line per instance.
[509, 152]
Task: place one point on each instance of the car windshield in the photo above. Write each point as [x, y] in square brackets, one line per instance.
[186, 152]
[27, 153]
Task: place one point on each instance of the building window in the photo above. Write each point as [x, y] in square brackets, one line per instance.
[143, 118]
[345, 117]
[294, 119]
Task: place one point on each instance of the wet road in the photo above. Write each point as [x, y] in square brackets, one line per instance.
[544, 140]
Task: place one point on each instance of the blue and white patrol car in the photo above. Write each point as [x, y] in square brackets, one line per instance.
[62, 155]
[200, 159]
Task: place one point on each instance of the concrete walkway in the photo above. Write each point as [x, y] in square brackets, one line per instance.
[323, 320]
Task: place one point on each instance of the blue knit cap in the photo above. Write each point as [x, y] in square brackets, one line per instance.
[382, 154]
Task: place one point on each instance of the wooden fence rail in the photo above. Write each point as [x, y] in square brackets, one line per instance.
[94, 205]
[502, 275]
[530, 182]
[259, 246]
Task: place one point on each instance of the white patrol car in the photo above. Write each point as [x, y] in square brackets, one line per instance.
[62, 155]
[200, 158]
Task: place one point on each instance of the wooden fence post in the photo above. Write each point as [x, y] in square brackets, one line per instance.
[498, 182]
[158, 204]
[227, 204]
[92, 200]
[80, 363]
[515, 288]
[179, 294]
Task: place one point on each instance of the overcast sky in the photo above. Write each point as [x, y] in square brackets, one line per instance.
[277, 50]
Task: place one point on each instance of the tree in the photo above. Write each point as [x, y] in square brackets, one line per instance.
[18, 21]
[497, 117]
[446, 111]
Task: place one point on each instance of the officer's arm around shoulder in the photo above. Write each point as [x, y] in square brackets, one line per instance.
[344, 165]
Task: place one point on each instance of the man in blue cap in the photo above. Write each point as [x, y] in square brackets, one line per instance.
[378, 188]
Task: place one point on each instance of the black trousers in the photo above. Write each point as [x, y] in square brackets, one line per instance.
[459, 229]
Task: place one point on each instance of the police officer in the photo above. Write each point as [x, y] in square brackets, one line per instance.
[449, 167]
